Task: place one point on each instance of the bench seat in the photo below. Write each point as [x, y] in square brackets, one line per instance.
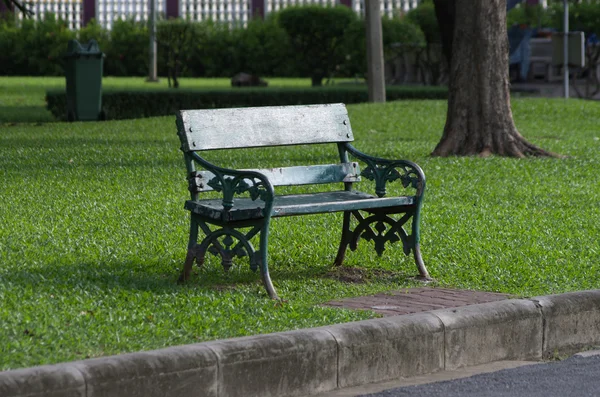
[296, 204]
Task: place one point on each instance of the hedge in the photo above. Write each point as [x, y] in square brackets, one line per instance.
[208, 49]
[150, 103]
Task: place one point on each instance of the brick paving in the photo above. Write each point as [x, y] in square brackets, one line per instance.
[414, 300]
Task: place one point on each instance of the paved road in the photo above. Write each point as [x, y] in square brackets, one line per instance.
[574, 377]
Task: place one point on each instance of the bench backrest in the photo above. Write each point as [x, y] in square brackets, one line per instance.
[209, 129]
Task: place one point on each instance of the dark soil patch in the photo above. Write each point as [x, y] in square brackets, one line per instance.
[357, 275]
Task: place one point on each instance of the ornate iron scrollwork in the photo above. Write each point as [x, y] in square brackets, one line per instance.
[383, 173]
[380, 229]
[222, 242]
[238, 185]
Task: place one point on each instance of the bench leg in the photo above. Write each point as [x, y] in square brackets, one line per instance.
[191, 252]
[264, 267]
[346, 236]
[381, 229]
[416, 247]
[423, 273]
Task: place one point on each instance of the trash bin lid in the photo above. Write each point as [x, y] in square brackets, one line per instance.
[76, 49]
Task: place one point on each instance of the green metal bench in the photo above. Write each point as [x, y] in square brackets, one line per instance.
[247, 198]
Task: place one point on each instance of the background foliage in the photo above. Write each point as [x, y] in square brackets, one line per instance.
[209, 49]
[264, 48]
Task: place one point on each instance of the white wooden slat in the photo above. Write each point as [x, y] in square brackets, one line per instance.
[298, 175]
[209, 129]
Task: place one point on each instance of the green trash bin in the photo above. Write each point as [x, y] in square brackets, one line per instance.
[83, 72]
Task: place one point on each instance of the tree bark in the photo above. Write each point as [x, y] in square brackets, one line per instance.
[479, 119]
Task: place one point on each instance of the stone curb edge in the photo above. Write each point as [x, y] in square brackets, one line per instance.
[316, 360]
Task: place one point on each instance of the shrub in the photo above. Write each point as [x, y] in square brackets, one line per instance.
[424, 17]
[394, 31]
[400, 31]
[264, 48]
[9, 42]
[584, 17]
[316, 35]
[215, 51]
[152, 103]
[127, 52]
[93, 30]
[531, 15]
[174, 40]
[35, 48]
[431, 60]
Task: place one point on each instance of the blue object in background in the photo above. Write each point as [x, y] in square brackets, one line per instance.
[520, 49]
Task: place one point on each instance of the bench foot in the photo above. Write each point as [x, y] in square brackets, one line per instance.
[187, 266]
[264, 268]
[346, 237]
[423, 273]
[268, 284]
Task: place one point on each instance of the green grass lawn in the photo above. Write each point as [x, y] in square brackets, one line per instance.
[93, 232]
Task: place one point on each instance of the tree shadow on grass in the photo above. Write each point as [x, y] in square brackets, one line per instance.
[25, 114]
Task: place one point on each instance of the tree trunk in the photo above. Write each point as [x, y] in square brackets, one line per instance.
[479, 119]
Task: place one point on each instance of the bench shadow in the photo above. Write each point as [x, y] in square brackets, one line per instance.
[99, 277]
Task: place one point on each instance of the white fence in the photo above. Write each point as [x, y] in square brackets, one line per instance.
[389, 8]
[69, 11]
[276, 5]
[234, 12]
[108, 11]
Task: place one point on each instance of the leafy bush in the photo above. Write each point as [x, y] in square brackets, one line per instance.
[151, 103]
[127, 53]
[216, 50]
[584, 17]
[530, 15]
[332, 44]
[400, 31]
[9, 42]
[174, 39]
[93, 30]
[424, 17]
[316, 35]
[431, 60]
[35, 48]
[264, 48]
[394, 30]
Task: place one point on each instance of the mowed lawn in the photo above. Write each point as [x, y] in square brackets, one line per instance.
[93, 231]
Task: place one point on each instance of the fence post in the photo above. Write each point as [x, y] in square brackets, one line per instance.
[89, 11]
[172, 10]
[258, 9]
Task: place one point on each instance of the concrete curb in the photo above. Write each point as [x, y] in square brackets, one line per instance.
[317, 360]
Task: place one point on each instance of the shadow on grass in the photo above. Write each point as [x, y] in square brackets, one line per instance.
[111, 278]
[25, 114]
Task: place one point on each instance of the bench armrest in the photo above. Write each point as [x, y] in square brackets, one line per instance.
[383, 170]
[231, 182]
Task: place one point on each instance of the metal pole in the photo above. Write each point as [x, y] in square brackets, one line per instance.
[566, 49]
[375, 65]
[152, 77]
